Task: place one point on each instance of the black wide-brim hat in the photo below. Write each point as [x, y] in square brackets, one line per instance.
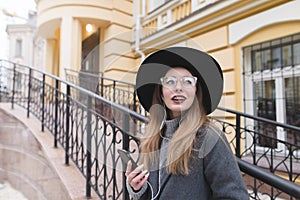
[199, 63]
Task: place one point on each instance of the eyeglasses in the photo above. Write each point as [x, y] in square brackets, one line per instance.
[171, 81]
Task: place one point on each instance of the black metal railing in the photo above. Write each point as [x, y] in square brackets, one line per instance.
[120, 92]
[91, 137]
[252, 145]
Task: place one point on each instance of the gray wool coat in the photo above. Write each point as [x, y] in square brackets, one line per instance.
[214, 173]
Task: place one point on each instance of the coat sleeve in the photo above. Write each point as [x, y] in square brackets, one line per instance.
[221, 170]
[142, 194]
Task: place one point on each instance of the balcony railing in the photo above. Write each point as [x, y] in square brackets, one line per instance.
[91, 139]
[171, 12]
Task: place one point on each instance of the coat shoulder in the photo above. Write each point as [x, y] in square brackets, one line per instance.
[208, 136]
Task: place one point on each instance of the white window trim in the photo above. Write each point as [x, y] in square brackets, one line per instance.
[278, 75]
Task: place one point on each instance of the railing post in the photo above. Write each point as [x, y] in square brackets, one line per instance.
[88, 146]
[29, 89]
[67, 120]
[135, 110]
[126, 147]
[238, 136]
[114, 90]
[134, 101]
[13, 87]
[56, 113]
[102, 82]
[43, 102]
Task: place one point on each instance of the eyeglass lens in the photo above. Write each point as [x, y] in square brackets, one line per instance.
[185, 81]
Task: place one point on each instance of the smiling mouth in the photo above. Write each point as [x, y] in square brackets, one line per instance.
[178, 99]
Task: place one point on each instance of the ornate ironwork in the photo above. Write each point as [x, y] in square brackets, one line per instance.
[92, 128]
[272, 155]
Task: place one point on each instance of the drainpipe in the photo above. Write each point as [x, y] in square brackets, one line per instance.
[137, 36]
[138, 28]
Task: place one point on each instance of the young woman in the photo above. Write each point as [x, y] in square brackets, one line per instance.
[182, 154]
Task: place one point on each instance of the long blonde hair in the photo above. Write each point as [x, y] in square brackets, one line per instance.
[181, 145]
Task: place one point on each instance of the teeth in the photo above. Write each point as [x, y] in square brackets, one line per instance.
[178, 98]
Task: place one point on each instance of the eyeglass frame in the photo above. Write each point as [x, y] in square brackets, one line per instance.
[178, 79]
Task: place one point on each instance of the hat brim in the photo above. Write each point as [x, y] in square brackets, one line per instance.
[200, 64]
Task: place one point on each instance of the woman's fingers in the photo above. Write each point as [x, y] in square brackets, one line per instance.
[137, 177]
[138, 181]
[131, 174]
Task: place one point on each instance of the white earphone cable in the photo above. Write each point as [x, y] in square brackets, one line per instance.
[151, 188]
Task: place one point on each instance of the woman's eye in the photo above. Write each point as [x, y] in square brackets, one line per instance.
[170, 81]
[188, 81]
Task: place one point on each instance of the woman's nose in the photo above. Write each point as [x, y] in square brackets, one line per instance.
[178, 85]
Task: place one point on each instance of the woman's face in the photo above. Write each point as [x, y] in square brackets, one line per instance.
[178, 90]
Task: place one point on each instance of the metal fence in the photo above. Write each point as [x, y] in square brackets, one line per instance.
[267, 155]
[91, 128]
[120, 92]
[89, 138]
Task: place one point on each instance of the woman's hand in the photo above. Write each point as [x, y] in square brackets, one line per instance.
[137, 177]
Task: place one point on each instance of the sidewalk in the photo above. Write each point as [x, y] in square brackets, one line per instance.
[9, 193]
[26, 160]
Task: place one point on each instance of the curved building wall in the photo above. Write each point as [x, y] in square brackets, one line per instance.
[63, 23]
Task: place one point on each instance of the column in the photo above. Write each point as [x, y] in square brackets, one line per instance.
[66, 38]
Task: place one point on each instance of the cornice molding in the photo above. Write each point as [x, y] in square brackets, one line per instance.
[220, 14]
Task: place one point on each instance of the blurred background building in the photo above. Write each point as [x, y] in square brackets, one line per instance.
[25, 45]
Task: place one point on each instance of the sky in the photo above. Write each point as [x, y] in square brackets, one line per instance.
[21, 8]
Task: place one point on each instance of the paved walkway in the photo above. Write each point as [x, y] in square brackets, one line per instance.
[9, 193]
[30, 163]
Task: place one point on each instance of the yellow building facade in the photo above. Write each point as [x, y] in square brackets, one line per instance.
[248, 38]
[256, 42]
[85, 34]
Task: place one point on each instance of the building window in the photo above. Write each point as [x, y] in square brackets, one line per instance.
[271, 76]
[18, 52]
[296, 50]
[292, 96]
